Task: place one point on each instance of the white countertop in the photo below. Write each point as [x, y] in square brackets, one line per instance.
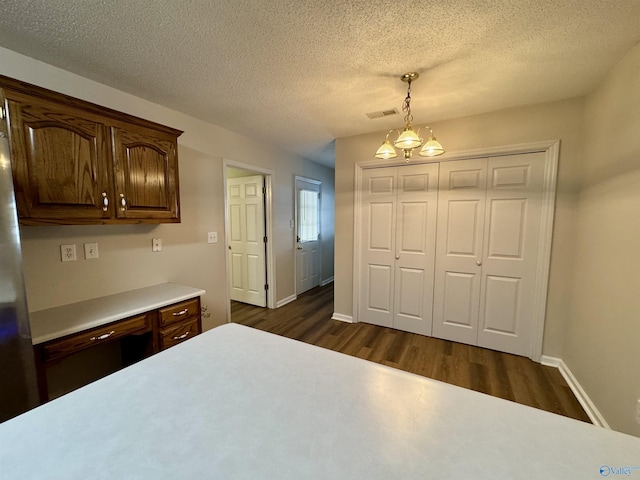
[73, 318]
[238, 403]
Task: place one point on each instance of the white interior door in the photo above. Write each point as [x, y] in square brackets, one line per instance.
[245, 200]
[378, 245]
[509, 265]
[308, 252]
[461, 202]
[488, 225]
[398, 233]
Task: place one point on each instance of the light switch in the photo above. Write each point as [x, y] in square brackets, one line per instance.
[212, 237]
[68, 253]
[156, 245]
[90, 250]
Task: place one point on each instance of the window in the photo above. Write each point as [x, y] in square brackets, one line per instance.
[308, 216]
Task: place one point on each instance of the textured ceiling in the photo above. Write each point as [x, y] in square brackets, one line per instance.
[263, 67]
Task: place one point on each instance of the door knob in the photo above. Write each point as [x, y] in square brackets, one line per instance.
[478, 262]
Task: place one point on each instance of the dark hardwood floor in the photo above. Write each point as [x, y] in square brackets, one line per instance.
[514, 378]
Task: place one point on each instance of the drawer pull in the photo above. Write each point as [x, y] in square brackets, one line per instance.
[103, 336]
[180, 313]
[105, 202]
[184, 335]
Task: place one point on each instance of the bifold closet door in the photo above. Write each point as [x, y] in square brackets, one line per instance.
[461, 209]
[486, 257]
[397, 239]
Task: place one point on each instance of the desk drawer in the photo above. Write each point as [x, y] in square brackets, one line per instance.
[179, 311]
[179, 333]
[72, 343]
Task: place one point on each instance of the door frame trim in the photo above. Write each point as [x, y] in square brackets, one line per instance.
[551, 148]
[269, 232]
[295, 226]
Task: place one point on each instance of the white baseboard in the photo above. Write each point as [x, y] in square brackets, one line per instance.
[326, 281]
[589, 407]
[342, 317]
[284, 301]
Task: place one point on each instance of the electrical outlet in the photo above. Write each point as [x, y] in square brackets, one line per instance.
[68, 253]
[156, 245]
[90, 251]
[638, 412]
[212, 237]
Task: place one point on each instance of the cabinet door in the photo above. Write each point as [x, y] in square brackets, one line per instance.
[146, 175]
[65, 171]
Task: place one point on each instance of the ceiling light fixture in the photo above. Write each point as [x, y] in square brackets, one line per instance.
[409, 140]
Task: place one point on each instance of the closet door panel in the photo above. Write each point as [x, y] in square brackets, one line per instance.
[397, 239]
[509, 267]
[377, 246]
[461, 212]
[417, 197]
[460, 292]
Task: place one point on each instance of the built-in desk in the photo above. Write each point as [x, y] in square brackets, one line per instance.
[146, 321]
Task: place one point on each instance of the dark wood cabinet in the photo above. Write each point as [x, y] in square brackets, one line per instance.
[75, 162]
[61, 161]
[141, 335]
[146, 174]
[179, 322]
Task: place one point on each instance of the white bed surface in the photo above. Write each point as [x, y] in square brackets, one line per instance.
[238, 403]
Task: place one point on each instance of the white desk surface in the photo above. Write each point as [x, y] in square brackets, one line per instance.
[237, 403]
[73, 318]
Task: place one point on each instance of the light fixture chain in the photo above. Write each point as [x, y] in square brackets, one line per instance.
[407, 104]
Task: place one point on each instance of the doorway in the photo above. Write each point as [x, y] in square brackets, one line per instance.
[308, 197]
[250, 275]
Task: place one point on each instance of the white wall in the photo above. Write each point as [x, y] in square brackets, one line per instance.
[126, 260]
[602, 346]
[559, 120]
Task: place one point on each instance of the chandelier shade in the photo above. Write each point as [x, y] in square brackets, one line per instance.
[408, 139]
[386, 151]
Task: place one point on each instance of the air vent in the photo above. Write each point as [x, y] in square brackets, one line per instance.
[383, 113]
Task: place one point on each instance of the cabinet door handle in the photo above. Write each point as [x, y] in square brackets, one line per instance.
[180, 313]
[105, 202]
[123, 202]
[103, 336]
[479, 262]
[184, 335]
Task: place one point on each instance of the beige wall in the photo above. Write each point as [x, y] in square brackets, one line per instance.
[602, 346]
[559, 120]
[126, 260]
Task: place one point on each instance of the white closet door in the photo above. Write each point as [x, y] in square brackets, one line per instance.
[461, 210]
[511, 236]
[398, 213]
[417, 200]
[378, 214]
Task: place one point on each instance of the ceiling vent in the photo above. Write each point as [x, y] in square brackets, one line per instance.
[383, 113]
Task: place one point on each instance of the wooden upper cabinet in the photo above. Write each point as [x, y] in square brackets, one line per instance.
[61, 164]
[75, 162]
[146, 174]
